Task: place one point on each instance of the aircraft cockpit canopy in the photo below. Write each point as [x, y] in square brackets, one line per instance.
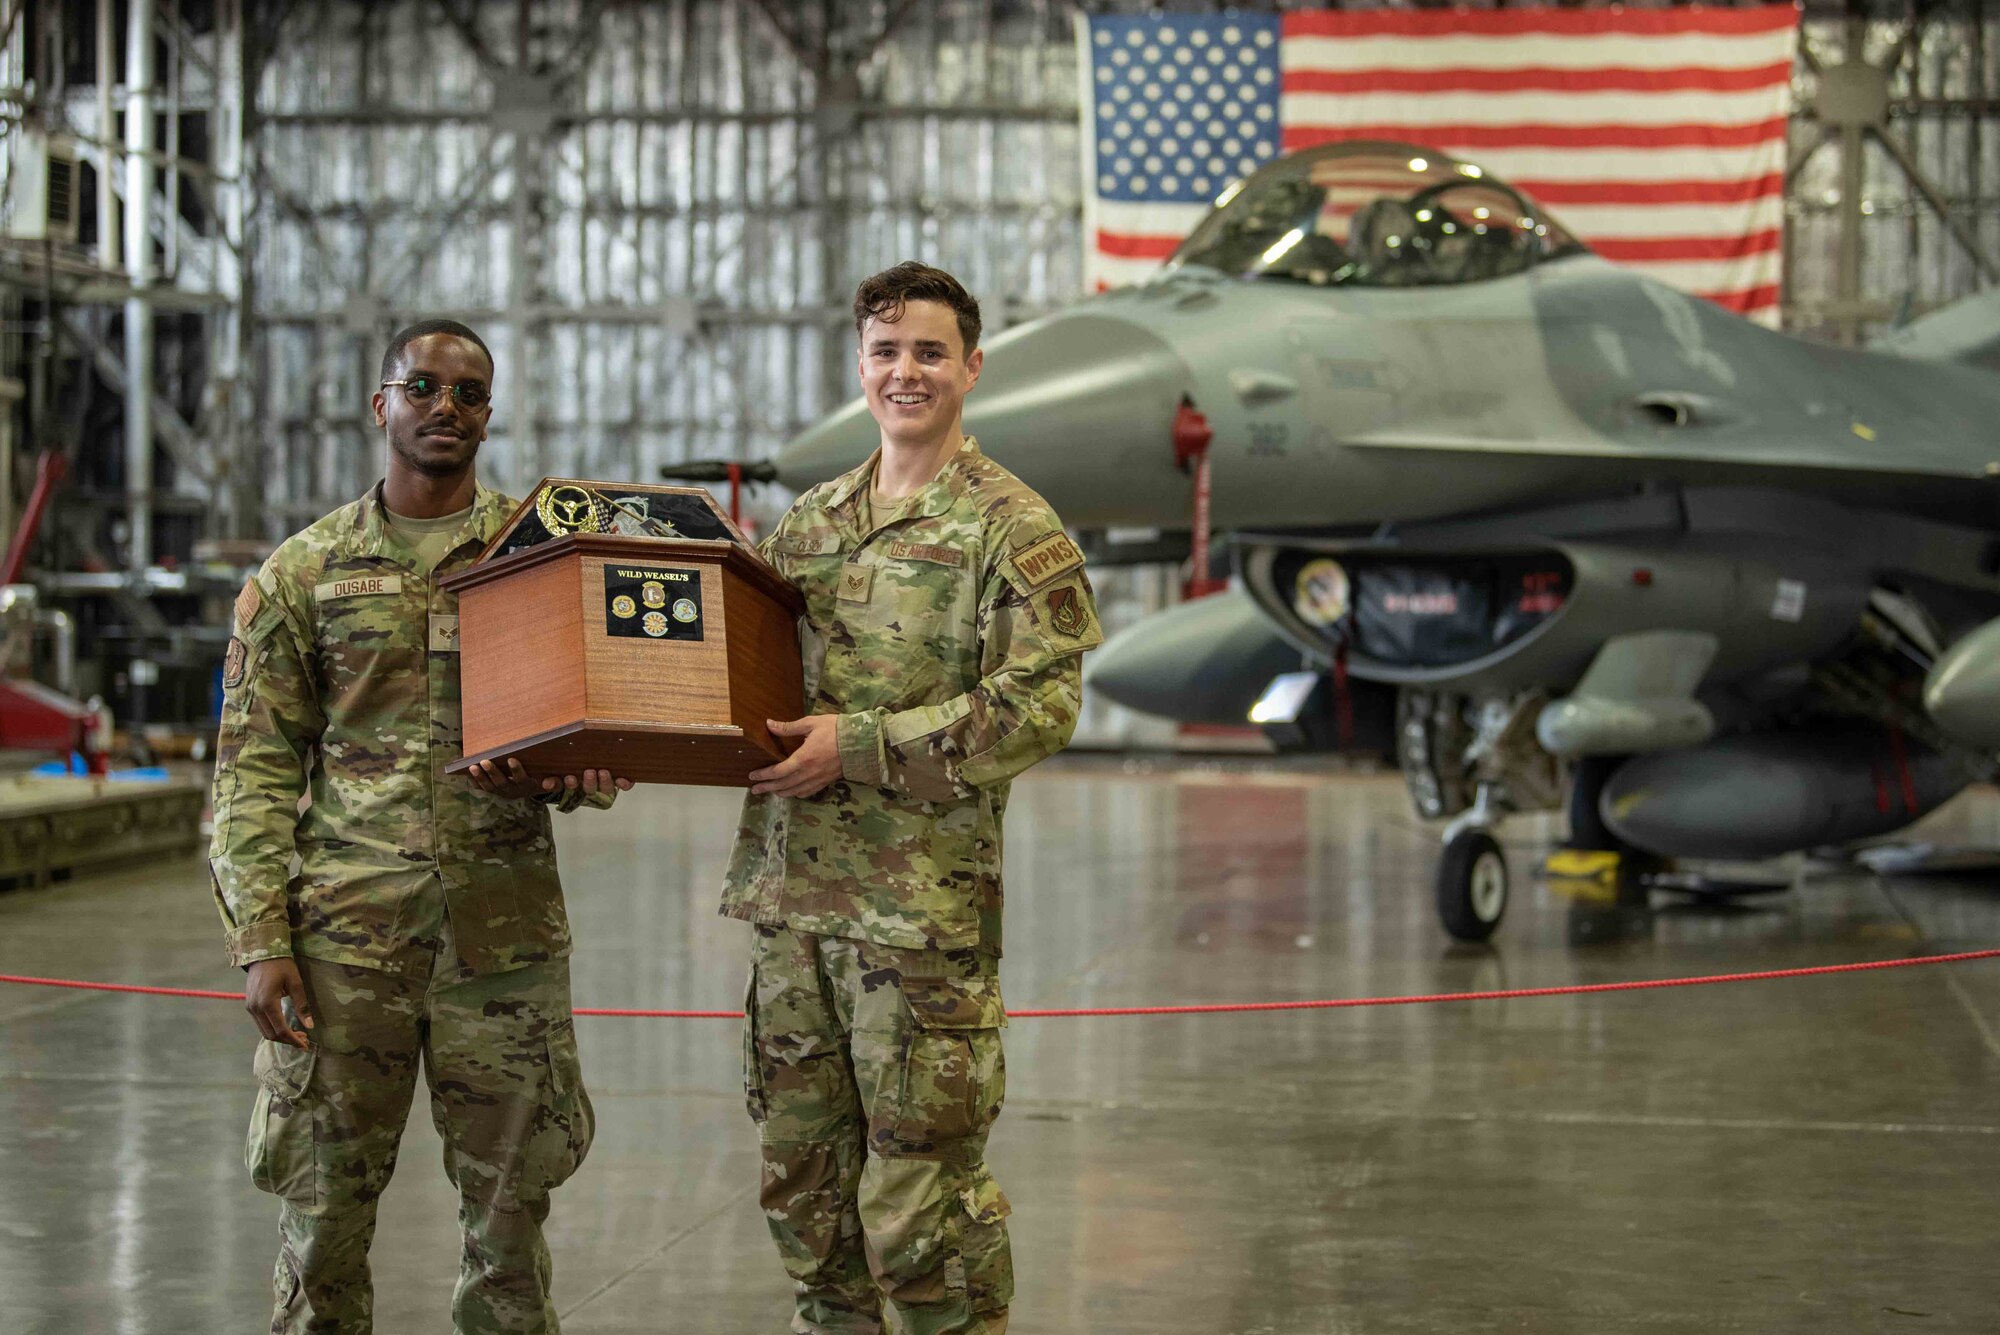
[1373, 215]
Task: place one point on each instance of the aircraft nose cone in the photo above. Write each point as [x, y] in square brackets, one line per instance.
[1080, 405]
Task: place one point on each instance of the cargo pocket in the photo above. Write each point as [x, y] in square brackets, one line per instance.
[573, 1121]
[286, 1286]
[281, 1150]
[954, 1078]
[985, 1269]
[753, 1066]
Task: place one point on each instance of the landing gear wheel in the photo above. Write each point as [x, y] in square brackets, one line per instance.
[1472, 885]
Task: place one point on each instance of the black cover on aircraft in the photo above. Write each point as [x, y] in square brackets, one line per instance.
[1437, 614]
[1422, 616]
[1439, 611]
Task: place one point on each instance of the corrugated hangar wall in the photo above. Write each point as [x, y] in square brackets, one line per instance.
[655, 211]
[1932, 172]
[656, 225]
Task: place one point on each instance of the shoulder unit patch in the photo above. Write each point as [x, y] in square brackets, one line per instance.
[1046, 559]
[1066, 612]
[233, 663]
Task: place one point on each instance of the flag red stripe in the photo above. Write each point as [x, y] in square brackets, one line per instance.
[1537, 78]
[1733, 21]
[1640, 250]
[1746, 300]
[1652, 192]
[1461, 137]
[1136, 246]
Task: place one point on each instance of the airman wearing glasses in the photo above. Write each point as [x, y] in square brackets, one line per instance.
[425, 924]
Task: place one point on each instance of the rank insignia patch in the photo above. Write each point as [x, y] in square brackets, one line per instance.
[855, 581]
[1066, 612]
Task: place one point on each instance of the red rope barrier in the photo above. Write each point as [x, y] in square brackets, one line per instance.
[121, 987]
[1219, 1008]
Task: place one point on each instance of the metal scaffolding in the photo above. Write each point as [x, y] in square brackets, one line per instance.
[132, 300]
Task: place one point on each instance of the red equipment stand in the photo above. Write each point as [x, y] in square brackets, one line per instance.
[35, 718]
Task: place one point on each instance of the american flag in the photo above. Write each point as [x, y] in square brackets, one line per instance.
[1657, 136]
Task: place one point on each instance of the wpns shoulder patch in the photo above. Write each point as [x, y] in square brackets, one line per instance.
[1047, 559]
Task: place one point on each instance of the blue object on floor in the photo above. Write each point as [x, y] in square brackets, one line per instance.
[75, 765]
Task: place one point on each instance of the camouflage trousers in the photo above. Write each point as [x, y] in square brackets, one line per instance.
[874, 1075]
[499, 1054]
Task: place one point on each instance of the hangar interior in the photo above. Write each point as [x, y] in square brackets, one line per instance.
[216, 213]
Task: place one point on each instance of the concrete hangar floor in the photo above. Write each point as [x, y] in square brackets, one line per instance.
[1809, 1155]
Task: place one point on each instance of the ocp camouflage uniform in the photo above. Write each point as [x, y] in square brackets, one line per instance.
[948, 640]
[425, 917]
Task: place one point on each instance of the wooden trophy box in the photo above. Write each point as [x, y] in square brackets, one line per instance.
[630, 628]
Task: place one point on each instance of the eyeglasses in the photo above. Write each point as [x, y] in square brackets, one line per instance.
[471, 395]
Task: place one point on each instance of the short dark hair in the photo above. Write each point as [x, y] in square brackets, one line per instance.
[883, 296]
[424, 329]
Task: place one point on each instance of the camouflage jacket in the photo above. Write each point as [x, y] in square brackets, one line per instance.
[341, 688]
[949, 642]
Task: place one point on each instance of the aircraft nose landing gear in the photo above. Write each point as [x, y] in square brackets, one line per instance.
[1472, 885]
[1472, 879]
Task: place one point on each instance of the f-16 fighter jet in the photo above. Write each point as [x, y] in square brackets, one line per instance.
[1558, 534]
